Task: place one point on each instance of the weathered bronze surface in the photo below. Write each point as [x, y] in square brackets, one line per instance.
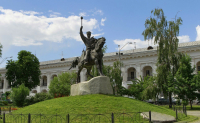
[92, 56]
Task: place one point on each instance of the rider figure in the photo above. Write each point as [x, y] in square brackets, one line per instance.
[89, 43]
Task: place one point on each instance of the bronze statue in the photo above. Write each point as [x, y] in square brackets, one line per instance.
[92, 56]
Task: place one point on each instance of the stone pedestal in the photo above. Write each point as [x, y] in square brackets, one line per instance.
[96, 85]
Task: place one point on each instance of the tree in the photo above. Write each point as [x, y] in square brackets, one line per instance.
[19, 94]
[165, 35]
[60, 86]
[186, 81]
[143, 89]
[25, 70]
[116, 78]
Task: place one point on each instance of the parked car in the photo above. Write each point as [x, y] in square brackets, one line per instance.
[150, 101]
[163, 101]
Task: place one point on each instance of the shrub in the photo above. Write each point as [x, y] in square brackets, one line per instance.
[60, 86]
[29, 101]
[5, 102]
[42, 97]
[37, 98]
[18, 95]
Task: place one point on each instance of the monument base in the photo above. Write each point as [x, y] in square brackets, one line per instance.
[96, 85]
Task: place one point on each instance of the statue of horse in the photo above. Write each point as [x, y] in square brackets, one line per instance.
[95, 58]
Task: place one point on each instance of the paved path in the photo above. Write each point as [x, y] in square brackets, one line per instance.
[158, 117]
[194, 113]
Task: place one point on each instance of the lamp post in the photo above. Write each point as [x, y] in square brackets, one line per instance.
[5, 59]
[119, 49]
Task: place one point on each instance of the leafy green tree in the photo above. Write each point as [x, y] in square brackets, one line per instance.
[19, 94]
[23, 71]
[60, 86]
[143, 89]
[116, 78]
[165, 35]
[186, 81]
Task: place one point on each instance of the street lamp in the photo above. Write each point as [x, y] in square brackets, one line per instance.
[5, 59]
[119, 49]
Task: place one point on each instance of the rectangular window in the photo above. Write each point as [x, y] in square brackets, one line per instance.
[132, 75]
[147, 72]
[198, 68]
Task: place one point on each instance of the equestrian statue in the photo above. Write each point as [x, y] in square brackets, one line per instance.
[92, 56]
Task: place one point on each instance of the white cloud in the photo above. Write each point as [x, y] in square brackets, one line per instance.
[82, 14]
[184, 38]
[24, 28]
[102, 21]
[54, 14]
[198, 33]
[99, 12]
[96, 12]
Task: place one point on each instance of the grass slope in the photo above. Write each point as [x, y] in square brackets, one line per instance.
[91, 104]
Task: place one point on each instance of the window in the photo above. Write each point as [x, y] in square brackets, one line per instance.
[147, 72]
[132, 75]
[198, 68]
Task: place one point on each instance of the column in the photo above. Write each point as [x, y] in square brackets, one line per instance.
[48, 81]
[154, 69]
[124, 74]
[38, 87]
[5, 85]
[139, 72]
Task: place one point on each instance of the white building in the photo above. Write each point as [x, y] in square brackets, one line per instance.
[137, 62]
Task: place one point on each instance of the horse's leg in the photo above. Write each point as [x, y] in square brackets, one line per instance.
[78, 75]
[98, 67]
[101, 66]
[88, 72]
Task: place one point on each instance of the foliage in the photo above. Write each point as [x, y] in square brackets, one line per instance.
[1, 49]
[61, 85]
[7, 93]
[38, 98]
[165, 35]
[143, 89]
[116, 78]
[186, 81]
[18, 95]
[5, 102]
[114, 73]
[23, 71]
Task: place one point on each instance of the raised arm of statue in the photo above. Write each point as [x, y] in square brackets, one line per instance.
[82, 36]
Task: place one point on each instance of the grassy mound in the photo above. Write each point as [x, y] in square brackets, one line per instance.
[89, 104]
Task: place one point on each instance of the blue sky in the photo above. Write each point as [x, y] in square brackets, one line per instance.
[49, 27]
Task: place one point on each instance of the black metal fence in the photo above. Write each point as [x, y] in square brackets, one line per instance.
[180, 111]
[132, 117]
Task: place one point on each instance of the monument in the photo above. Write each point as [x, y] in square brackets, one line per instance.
[92, 56]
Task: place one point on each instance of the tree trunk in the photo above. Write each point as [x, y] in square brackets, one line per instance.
[190, 104]
[170, 100]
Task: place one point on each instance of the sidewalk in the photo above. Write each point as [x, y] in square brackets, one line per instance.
[194, 113]
[158, 117]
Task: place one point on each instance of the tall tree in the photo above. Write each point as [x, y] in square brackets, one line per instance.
[165, 35]
[25, 70]
[187, 82]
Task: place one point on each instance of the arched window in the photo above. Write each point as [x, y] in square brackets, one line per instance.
[131, 74]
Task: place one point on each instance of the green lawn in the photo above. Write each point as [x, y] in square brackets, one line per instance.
[89, 104]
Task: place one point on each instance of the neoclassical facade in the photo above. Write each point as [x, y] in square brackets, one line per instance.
[137, 62]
